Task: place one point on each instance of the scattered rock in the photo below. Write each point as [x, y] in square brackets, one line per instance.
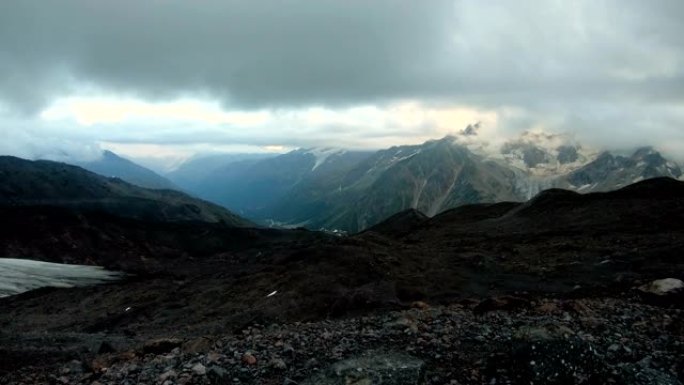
[278, 363]
[663, 287]
[621, 342]
[552, 355]
[374, 369]
[635, 375]
[197, 345]
[168, 375]
[199, 370]
[249, 359]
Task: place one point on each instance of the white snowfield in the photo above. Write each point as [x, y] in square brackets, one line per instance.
[21, 275]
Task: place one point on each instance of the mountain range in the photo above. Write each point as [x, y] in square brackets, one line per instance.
[45, 183]
[349, 191]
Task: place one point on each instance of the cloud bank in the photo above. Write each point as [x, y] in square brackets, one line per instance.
[300, 73]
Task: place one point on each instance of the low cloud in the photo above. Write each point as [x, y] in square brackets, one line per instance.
[352, 73]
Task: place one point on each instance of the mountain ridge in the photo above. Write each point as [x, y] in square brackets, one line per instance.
[112, 165]
[352, 191]
[48, 183]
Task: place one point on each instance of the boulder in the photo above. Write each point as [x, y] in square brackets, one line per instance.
[663, 287]
[663, 292]
[373, 369]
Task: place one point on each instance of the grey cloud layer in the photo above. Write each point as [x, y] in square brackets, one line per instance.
[297, 52]
[250, 53]
[598, 67]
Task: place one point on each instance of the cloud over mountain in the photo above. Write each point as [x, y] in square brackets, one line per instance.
[610, 71]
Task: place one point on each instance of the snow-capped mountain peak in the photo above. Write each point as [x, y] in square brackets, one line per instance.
[544, 154]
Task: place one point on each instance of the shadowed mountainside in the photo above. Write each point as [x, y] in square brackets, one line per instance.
[46, 183]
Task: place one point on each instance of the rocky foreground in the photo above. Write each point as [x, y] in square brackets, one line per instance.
[505, 340]
[563, 289]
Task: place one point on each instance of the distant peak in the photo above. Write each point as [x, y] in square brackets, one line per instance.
[448, 138]
[471, 130]
[645, 151]
[109, 154]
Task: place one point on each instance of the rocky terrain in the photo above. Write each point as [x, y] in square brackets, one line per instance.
[459, 298]
[546, 341]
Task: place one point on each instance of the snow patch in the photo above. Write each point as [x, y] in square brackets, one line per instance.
[21, 275]
[322, 154]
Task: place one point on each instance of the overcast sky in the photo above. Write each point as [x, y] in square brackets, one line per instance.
[153, 78]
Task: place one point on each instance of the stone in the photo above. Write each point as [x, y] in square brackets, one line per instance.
[311, 363]
[213, 357]
[199, 370]
[197, 345]
[663, 292]
[218, 375]
[663, 287]
[249, 359]
[404, 323]
[278, 363]
[373, 369]
[168, 375]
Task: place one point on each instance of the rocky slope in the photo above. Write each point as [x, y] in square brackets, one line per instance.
[46, 183]
[488, 281]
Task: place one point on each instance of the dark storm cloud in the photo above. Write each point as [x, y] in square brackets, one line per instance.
[249, 53]
[294, 52]
[612, 71]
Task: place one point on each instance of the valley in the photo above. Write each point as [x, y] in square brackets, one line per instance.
[349, 191]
